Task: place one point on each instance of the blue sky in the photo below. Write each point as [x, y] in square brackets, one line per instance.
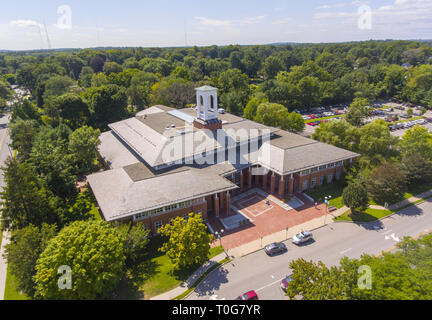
[94, 23]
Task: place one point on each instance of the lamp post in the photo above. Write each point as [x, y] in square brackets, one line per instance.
[327, 203]
[219, 236]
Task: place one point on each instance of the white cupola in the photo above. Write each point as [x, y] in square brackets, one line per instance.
[207, 103]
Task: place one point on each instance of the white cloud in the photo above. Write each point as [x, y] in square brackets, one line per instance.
[283, 21]
[214, 22]
[252, 20]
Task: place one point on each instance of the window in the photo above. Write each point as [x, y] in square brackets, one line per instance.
[338, 175]
[331, 165]
[322, 180]
[322, 168]
[330, 178]
[305, 185]
[313, 183]
[158, 225]
[305, 172]
[314, 170]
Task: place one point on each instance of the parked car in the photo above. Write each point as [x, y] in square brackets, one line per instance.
[275, 248]
[285, 282]
[302, 237]
[251, 295]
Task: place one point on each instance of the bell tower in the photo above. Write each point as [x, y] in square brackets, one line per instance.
[207, 109]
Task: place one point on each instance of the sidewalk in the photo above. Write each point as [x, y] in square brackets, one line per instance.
[284, 235]
[411, 200]
[3, 265]
[191, 280]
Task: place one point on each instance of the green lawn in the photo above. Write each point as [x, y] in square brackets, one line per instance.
[157, 275]
[367, 215]
[11, 293]
[334, 190]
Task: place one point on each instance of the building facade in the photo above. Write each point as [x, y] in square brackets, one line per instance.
[167, 163]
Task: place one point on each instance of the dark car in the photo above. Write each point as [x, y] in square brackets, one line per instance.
[251, 295]
[285, 282]
[275, 248]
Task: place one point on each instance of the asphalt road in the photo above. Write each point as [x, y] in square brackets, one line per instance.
[4, 141]
[263, 274]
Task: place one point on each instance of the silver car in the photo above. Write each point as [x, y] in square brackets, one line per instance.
[302, 237]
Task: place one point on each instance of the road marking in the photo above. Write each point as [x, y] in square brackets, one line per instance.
[345, 251]
[269, 285]
[392, 236]
[388, 231]
[215, 297]
[414, 237]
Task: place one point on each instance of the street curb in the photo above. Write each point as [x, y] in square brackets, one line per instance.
[197, 284]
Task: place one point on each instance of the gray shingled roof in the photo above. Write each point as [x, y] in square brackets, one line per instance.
[118, 196]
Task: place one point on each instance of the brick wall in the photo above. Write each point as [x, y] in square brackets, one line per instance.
[166, 217]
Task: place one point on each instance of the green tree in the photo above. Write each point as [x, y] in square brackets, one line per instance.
[135, 241]
[25, 200]
[276, 115]
[106, 103]
[175, 93]
[72, 108]
[23, 251]
[271, 66]
[251, 108]
[95, 253]
[417, 141]
[386, 184]
[355, 197]
[52, 161]
[314, 281]
[56, 86]
[376, 143]
[112, 67]
[83, 147]
[188, 241]
[22, 133]
[417, 170]
[340, 134]
[357, 112]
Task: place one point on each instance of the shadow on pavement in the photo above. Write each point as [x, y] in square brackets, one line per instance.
[212, 282]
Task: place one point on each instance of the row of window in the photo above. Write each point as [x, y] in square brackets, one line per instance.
[159, 224]
[321, 180]
[169, 208]
[325, 167]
